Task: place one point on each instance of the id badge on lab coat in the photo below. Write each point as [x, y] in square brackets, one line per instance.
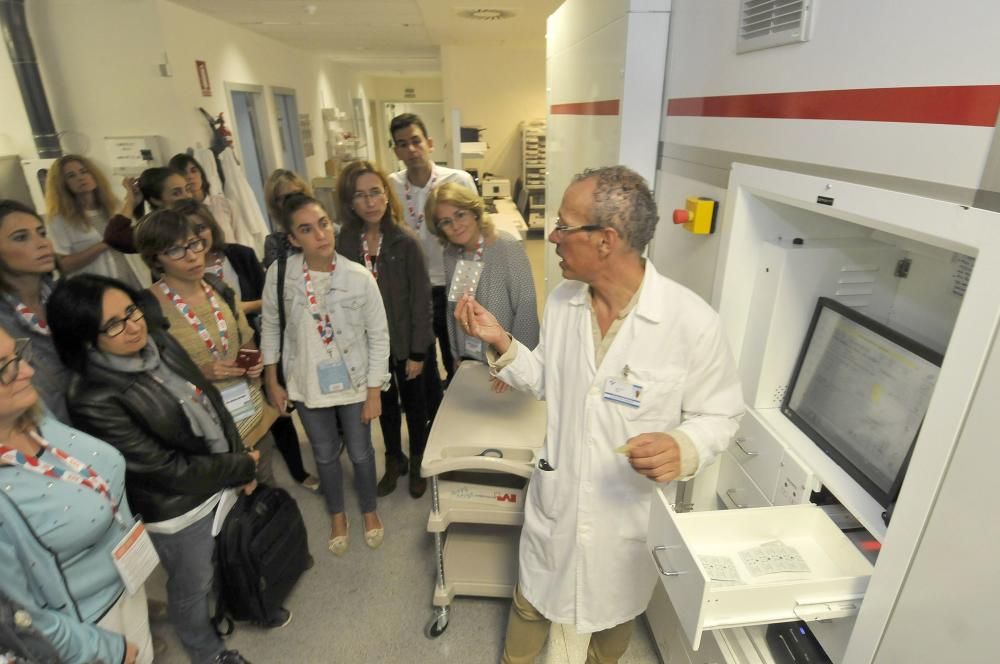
[333, 376]
[623, 392]
[135, 557]
[465, 280]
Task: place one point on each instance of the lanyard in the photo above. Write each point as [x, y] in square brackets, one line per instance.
[478, 256]
[217, 268]
[371, 262]
[35, 323]
[323, 324]
[188, 313]
[416, 218]
[81, 473]
[197, 395]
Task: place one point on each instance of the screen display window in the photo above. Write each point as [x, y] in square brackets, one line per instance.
[860, 391]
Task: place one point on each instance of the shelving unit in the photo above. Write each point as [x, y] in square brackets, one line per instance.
[480, 453]
[533, 171]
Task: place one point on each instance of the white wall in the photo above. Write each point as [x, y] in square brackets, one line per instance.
[495, 87]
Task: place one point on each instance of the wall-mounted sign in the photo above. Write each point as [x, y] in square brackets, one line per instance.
[206, 85]
[409, 93]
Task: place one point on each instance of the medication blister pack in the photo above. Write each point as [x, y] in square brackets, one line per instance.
[773, 558]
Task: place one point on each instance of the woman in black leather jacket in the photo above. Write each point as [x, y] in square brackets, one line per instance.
[138, 390]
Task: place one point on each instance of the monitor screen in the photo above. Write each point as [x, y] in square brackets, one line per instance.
[860, 391]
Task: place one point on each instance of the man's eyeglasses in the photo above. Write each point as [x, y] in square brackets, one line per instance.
[373, 195]
[563, 230]
[116, 326]
[179, 251]
[11, 368]
[460, 215]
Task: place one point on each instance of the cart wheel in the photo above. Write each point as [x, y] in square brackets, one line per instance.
[437, 625]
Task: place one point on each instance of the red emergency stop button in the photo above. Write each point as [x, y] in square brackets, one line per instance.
[682, 216]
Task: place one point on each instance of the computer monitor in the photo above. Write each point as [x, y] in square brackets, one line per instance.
[860, 391]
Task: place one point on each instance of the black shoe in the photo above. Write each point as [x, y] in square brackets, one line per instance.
[418, 485]
[279, 619]
[395, 467]
[230, 657]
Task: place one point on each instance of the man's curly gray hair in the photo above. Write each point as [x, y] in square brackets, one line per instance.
[624, 202]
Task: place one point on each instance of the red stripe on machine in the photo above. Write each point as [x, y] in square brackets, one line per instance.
[607, 107]
[969, 105]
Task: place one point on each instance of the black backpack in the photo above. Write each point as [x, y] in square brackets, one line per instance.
[260, 553]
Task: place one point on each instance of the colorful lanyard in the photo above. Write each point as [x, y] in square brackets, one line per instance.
[188, 313]
[416, 219]
[323, 324]
[371, 262]
[217, 268]
[81, 473]
[478, 256]
[35, 323]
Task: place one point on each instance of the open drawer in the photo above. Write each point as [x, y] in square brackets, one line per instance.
[733, 568]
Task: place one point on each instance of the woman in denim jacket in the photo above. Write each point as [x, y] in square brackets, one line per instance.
[334, 353]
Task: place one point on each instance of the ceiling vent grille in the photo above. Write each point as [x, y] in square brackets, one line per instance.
[767, 23]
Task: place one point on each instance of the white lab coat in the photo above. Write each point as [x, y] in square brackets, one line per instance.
[249, 227]
[583, 557]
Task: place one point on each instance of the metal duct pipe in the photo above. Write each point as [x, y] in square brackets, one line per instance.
[29, 79]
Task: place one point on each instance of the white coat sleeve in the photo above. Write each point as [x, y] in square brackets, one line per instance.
[527, 370]
[270, 327]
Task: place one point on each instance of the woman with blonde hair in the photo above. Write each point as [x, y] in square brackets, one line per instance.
[505, 286]
[280, 184]
[79, 206]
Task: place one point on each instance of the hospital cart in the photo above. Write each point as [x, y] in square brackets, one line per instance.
[480, 452]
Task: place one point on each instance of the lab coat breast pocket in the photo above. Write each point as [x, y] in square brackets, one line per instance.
[660, 401]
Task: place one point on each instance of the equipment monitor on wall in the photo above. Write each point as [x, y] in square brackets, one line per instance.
[860, 391]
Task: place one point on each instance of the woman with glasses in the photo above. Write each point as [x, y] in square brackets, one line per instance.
[201, 191]
[140, 391]
[27, 259]
[80, 207]
[237, 265]
[334, 353]
[504, 284]
[374, 236]
[206, 321]
[58, 534]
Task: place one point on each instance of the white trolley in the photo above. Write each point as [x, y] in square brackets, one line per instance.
[480, 453]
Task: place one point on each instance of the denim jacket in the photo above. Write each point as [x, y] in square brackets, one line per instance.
[357, 312]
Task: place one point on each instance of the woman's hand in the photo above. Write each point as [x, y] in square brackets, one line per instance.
[373, 405]
[477, 321]
[413, 369]
[223, 370]
[131, 652]
[498, 385]
[277, 396]
[256, 370]
[133, 196]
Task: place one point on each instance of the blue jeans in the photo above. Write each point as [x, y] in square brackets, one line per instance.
[321, 427]
[187, 558]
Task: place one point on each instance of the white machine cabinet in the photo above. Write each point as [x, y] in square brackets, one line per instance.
[924, 267]
[480, 451]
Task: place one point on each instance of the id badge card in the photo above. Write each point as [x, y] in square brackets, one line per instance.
[623, 391]
[473, 346]
[333, 376]
[238, 401]
[135, 557]
[465, 280]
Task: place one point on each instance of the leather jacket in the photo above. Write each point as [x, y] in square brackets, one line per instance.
[168, 469]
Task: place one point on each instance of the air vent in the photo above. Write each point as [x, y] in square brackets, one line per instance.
[484, 14]
[767, 23]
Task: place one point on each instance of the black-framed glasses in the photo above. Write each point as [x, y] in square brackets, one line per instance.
[179, 251]
[116, 326]
[460, 215]
[11, 368]
[563, 230]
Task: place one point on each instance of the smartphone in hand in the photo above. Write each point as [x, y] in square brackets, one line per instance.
[247, 358]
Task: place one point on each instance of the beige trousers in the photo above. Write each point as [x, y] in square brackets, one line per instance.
[527, 630]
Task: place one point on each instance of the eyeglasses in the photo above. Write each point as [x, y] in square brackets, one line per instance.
[116, 326]
[373, 195]
[563, 230]
[460, 215]
[11, 369]
[179, 251]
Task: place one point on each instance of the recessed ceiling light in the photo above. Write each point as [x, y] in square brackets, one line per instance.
[486, 14]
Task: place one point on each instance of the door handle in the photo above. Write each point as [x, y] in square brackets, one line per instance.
[736, 503]
[659, 565]
[739, 443]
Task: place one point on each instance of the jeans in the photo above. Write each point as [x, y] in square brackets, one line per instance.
[439, 300]
[187, 558]
[321, 427]
[286, 438]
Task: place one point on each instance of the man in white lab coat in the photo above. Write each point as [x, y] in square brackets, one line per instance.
[640, 390]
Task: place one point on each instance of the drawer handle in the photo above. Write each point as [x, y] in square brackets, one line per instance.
[659, 565]
[739, 443]
[736, 503]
